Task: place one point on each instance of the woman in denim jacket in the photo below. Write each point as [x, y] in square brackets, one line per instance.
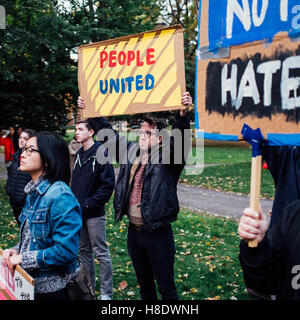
[50, 220]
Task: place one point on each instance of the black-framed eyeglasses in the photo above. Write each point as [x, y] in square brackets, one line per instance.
[146, 133]
[29, 150]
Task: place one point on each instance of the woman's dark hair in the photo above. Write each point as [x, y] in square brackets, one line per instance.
[30, 132]
[55, 157]
[20, 127]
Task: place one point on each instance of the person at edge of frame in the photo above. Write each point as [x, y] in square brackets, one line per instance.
[283, 162]
[284, 165]
[273, 267]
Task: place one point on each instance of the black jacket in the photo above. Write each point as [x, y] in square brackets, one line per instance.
[92, 183]
[159, 202]
[274, 266]
[16, 182]
[284, 165]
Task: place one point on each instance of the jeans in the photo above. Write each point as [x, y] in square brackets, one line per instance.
[93, 240]
[152, 255]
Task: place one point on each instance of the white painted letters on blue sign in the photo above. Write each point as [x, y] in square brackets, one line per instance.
[296, 19]
[248, 15]
[258, 20]
[243, 14]
[284, 10]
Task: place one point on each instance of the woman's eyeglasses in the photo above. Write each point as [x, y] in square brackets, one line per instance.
[29, 150]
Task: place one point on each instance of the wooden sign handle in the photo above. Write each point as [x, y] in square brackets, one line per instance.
[255, 189]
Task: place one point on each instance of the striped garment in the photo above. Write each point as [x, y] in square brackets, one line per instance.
[134, 210]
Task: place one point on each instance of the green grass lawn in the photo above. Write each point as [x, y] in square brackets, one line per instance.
[206, 261]
[226, 155]
[231, 172]
[230, 178]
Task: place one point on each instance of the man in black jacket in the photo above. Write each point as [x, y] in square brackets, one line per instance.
[146, 191]
[93, 184]
[273, 267]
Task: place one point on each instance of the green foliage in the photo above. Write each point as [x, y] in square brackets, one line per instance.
[102, 20]
[37, 78]
[184, 12]
[38, 75]
[38, 50]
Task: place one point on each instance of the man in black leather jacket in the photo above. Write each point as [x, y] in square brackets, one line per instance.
[146, 191]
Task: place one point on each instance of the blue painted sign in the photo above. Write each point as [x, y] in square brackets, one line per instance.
[248, 69]
[234, 22]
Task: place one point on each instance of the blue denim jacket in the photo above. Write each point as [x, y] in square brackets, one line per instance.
[54, 217]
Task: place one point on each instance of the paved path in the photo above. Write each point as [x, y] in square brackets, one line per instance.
[199, 199]
[216, 202]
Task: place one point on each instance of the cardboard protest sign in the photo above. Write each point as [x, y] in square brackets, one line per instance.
[248, 67]
[17, 287]
[133, 74]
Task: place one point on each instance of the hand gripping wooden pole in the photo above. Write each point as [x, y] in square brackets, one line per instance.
[255, 138]
[255, 189]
